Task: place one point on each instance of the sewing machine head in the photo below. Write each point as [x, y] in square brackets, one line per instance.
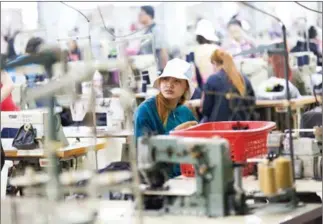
[109, 113]
[255, 68]
[307, 150]
[215, 184]
[303, 65]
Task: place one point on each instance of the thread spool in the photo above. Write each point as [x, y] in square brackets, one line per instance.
[283, 173]
[266, 177]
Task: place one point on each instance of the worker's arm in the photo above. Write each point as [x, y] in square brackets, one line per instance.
[142, 122]
[160, 46]
[7, 85]
[163, 57]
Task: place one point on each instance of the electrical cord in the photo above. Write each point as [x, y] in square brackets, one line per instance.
[313, 10]
[112, 34]
[260, 10]
[87, 19]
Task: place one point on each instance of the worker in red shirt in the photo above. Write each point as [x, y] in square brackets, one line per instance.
[7, 86]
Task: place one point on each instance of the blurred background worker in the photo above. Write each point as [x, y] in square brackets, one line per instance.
[206, 38]
[74, 52]
[238, 40]
[228, 95]
[6, 84]
[7, 103]
[311, 45]
[146, 18]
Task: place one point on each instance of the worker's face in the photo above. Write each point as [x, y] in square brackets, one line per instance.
[173, 88]
[72, 45]
[144, 18]
[235, 31]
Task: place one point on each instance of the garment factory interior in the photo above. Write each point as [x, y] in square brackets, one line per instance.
[161, 112]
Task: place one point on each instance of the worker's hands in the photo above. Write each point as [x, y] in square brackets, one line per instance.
[186, 125]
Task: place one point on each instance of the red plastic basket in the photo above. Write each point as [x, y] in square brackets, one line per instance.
[243, 143]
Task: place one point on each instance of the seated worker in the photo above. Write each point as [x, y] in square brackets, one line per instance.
[33, 47]
[314, 47]
[206, 38]
[161, 114]
[217, 106]
[74, 52]
[7, 103]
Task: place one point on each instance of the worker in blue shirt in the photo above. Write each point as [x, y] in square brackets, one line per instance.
[228, 95]
[161, 114]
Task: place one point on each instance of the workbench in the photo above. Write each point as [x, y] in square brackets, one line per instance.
[279, 105]
[75, 149]
[301, 215]
[187, 186]
[86, 132]
[117, 140]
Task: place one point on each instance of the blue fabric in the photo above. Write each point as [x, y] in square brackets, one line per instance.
[31, 81]
[314, 48]
[217, 108]
[147, 121]
[9, 132]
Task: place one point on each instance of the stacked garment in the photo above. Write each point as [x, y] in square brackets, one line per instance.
[275, 89]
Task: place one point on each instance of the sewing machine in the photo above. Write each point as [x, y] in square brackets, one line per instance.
[307, 151]
[218, 179]
[303, 65]
[38, 118]
[255, 68]
[109, 113]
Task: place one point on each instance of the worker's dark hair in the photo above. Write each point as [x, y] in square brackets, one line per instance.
[33, 45]
[201, 40]
[312, 32]
[234, 21]
[149, 10]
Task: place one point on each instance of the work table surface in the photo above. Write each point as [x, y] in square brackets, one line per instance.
[304, 100]
[74, 149]
[187, 186]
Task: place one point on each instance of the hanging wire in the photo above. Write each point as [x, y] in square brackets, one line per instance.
[112, 34]
[262, 11]
[87, 19]
[313, 10]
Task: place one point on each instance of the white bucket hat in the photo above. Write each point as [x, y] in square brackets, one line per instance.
[205, 29]
[178, 69]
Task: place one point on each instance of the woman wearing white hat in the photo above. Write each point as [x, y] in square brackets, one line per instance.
[165, 112]
[206, 38]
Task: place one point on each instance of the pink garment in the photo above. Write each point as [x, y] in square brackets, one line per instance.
[131, 51]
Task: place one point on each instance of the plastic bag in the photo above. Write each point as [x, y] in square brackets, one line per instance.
[275, 89]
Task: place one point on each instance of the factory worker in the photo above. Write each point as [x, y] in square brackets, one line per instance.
[161, 114]
[217, 106]
[206, 38]
[7, 103]
[74, 52]
[6, 84]
[238, 40]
